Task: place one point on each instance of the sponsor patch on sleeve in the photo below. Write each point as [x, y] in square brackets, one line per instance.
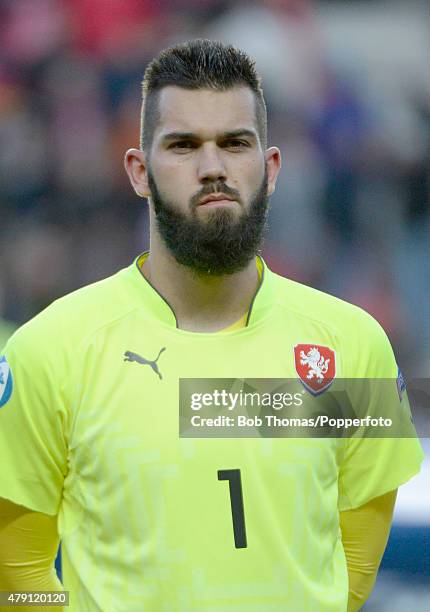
[6, 381]
[401, 384]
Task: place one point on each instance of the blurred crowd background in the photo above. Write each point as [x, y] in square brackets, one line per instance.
[347, 86]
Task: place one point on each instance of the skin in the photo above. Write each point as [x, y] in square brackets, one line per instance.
[182, 167]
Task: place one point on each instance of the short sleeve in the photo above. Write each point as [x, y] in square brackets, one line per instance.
[374, 466]
[33, 448]
[370, 467]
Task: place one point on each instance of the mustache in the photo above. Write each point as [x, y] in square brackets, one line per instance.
[218, 187]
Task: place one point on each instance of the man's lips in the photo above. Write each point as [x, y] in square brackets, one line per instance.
[215, 197]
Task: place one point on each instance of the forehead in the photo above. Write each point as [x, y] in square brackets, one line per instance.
[205, 112]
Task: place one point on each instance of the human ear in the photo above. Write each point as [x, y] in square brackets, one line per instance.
[273, 164]
[136, 166]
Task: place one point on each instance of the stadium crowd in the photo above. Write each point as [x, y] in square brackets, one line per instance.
[351, 114]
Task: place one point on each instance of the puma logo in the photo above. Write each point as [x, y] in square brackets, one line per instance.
[129, 356]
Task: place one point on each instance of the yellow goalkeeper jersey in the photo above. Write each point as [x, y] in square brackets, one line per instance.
[89, 430]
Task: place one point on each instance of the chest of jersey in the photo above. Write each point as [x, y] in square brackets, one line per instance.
[126, 423]
[129, 376]
[187, 507]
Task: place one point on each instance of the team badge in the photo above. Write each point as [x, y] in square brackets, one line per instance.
[316, 366]
[6, 382]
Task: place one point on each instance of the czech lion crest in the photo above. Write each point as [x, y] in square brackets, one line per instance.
[315, 365]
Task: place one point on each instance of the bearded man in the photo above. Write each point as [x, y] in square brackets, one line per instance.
[90, 445]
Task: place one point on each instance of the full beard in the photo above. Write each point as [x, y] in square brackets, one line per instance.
[221, 244]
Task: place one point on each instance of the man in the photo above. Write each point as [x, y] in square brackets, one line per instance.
[89, 431]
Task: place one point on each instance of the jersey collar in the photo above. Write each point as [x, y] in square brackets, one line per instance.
[159, 308]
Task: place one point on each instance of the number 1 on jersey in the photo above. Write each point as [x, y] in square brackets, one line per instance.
[236, 500]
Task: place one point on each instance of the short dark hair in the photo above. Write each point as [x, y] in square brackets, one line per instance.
[199, 64]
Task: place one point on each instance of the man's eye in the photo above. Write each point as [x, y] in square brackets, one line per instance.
[183, 144]
[235, 144]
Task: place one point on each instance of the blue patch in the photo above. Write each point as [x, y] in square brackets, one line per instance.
[401, 384]
[6, 382]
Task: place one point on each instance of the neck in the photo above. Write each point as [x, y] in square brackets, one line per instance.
[201, 303]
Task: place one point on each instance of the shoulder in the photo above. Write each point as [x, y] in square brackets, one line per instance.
[72, 318]
[356, 332]
[6, 330]
[317, 305]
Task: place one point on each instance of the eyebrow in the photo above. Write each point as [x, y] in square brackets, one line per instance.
[192, 136]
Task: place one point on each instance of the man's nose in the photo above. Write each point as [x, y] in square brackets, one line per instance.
[211, 165]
